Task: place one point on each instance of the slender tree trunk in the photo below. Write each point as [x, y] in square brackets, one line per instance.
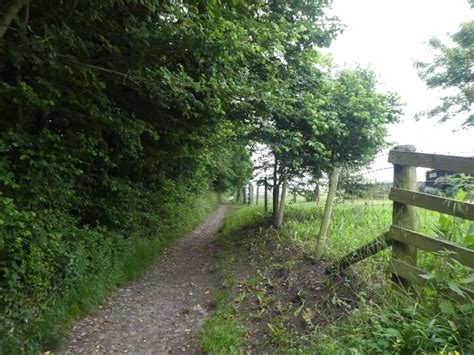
[327, 212]
[276, 199]
[316, 193]
[237, 197]
[266, 197]
[276, 192]
[294, 195]
[250, 194]
[281, 210]
[8, 13]
[256, 196]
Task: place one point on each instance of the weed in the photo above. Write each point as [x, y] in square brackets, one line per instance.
[381, 321]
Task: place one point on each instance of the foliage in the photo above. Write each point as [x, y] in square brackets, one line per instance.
[403, 325]
[337, 121]
[221, 332]
[451, 70]
[383, 321]
[117, 115]
[53, 281]
[360, 115]
[234, 169]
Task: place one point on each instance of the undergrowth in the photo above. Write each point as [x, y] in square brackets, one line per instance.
[222, 332]
[41, 324]
[380, 319]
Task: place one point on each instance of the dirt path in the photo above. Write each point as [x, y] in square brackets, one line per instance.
[161, 312]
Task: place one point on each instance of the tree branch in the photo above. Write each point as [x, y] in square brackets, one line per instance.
[9, 13]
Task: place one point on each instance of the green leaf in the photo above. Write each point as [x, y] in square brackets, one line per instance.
[447, 307]
[468, 279]
[469, 241]
[455, 288]
[393, 332]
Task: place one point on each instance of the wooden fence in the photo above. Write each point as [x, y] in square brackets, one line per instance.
[402, 235]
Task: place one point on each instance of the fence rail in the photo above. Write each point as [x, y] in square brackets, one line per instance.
[402, 235]
[434, 203]
[432, 161]
[432, 244]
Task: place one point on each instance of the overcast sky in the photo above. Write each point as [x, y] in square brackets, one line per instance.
[388, 35]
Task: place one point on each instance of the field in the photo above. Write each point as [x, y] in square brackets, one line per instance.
[277, 298]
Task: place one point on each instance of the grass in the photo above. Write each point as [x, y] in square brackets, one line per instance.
[222, 332]
[383, 321]
[64, 308]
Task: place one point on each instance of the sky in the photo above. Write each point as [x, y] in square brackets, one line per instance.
[388, 36]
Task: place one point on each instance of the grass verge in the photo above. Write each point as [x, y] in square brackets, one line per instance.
[56, 315]
[276, 300]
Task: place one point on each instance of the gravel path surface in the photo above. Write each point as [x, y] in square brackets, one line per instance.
[161, 312]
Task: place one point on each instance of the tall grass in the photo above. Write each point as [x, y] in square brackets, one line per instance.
[56, 315]
[385, 321]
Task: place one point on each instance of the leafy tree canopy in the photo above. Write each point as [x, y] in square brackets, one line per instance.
[452, 70]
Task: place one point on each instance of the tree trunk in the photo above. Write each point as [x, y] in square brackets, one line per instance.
[276, 192]
[266, 197]
[256, 196]
[8, 13]
[327, 212]
[250, 199]
[237, 197]
[276, 199]
[316, 193]
[281, 210]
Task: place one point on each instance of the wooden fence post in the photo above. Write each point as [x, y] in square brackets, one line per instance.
[323, 230]
[404, 215]
[265, 196]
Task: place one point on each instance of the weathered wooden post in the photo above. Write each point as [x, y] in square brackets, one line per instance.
[404, 215]
[265, 196]
[323, 230]
[256, 196]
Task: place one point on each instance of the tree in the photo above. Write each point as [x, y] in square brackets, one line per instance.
[357, 131]
[290, 132]
[452, 69]
[114, 115]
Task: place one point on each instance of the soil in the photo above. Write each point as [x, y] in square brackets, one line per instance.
[291, 291]
[161, 312]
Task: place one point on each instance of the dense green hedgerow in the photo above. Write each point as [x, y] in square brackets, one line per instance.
[55, 271]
